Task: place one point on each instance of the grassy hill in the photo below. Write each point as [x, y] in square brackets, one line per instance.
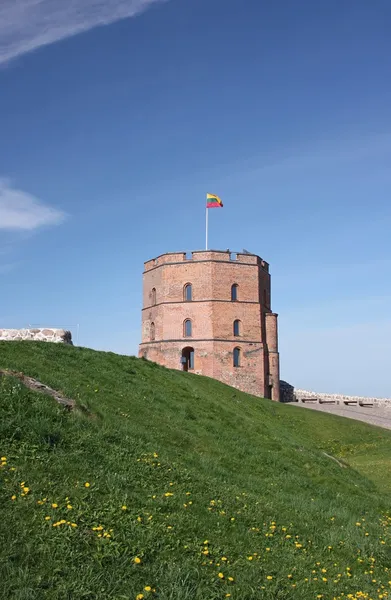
[167, 485]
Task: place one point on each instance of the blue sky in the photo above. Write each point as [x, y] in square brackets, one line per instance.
[117, 117]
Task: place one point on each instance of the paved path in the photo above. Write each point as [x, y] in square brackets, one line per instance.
[375, 416]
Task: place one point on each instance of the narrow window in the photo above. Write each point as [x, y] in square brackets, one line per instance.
[234, 292]
[188, 292]
[237, 327]
[152, 332]
[153, 296]
[187, 328]
[236, 357]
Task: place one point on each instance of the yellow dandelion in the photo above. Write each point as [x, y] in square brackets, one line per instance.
[54, 505]
[87, 485]
[290, 576]
[137, 560]
[231, 579]
[13, 497]
[148, 588]
[223, 558]
[221, 575]
[139, 596]
[47, 518]
[3, 458]
[269, 577]
[69, 506]
[124, 507]
[206, 542]
[73, 524]
[249, 558]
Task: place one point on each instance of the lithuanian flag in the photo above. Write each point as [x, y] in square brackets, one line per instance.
[213, 201]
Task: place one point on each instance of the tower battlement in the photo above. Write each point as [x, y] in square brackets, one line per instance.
[206, 255]
[209, 312]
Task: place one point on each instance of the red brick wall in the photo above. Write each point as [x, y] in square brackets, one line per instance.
[212, 313]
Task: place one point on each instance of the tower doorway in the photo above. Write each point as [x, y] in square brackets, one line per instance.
[187, 358]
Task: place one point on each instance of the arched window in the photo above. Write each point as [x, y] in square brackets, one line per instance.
[187, 328]
[152, 332]
[237, 327]
[234, 292]
[237, 353]
[153, 296]
[188, 292]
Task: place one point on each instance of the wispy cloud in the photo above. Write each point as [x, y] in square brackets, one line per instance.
[29, 24]
[22, 211]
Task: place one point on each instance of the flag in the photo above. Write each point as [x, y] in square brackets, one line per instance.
[213, 201]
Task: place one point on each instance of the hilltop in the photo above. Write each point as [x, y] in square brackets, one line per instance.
[163, 484]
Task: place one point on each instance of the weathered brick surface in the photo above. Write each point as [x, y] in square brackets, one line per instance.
[211, 274]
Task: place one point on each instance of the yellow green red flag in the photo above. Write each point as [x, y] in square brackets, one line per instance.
[213, 201]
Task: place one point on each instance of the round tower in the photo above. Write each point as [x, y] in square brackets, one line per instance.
[209, 312]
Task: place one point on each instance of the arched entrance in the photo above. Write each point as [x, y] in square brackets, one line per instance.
[187, 358]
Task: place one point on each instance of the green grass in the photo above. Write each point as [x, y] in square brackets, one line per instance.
[213, 481]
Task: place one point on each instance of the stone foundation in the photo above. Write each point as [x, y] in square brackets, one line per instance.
[58, 336]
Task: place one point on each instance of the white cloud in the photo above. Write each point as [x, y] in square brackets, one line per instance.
[29, 24]
[20, 210]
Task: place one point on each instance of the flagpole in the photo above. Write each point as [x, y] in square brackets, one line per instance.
[206, 229]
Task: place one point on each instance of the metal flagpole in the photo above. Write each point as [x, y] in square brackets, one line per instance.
[206, 229]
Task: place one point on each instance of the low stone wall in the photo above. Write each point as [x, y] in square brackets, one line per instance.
[58, 336]
[339, 398]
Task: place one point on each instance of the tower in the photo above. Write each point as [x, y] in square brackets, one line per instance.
[209, 312]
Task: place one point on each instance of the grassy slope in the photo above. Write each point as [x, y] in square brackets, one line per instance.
[247, 476]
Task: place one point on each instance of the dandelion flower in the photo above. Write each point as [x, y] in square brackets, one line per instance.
[137, 560]
[13, 497]
[221, 575]
[147, 588]
[124, 507]
[269, 577]
[47, 518]
[54, 505]
[87, 485]
[69, 506]
[249, 558]
[139, 596]
[26, 490]
[231, 579]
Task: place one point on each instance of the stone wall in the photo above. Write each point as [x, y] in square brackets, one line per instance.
[298, 395]
[59, 336]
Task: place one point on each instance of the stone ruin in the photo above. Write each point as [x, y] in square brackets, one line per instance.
[58, 336]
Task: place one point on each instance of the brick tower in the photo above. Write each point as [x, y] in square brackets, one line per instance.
[209, 312]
